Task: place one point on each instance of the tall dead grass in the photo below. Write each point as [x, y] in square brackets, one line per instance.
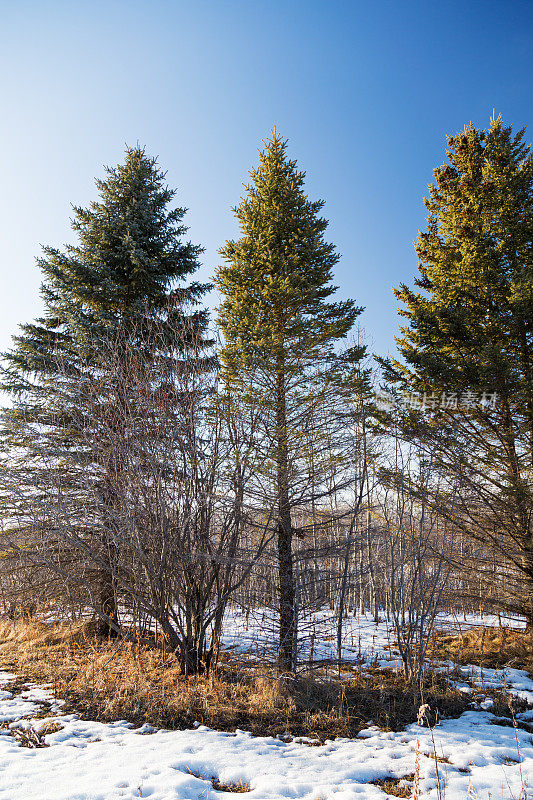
[107, 680]
[489, 647]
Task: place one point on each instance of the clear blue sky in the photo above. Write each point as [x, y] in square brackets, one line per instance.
[364, 91]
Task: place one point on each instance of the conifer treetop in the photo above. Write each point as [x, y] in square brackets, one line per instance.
[276, 279]
[129, 255]
[471, 325]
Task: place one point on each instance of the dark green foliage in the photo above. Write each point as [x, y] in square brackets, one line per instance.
[129, 255]
[129, 263]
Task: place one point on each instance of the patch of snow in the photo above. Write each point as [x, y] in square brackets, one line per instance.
[94, 761]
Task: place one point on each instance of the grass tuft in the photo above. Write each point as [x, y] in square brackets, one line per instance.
[392, 785]
[235, 788]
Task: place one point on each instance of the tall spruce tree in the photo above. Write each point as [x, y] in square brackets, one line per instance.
[130, 260]
[469, 334]
[280, 333]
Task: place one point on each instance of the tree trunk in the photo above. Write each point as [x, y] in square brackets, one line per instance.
[287, 593]
[521, 509]
[194, 659]
[108, 624]
[106, 597]
[527, 605]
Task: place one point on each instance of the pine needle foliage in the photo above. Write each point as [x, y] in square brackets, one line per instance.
[281, 333]
[468, 343]
[129, 262]
[471, 326]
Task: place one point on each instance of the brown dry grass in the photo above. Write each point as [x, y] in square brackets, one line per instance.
[32, 738]
[392, 785]
[235, 788]
[221, 786]
[108, 680]
[488, 647]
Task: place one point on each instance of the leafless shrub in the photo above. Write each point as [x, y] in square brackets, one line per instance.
[418, 551]
[151, 520]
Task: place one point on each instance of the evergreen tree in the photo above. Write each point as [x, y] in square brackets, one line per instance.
[280, 333]
[130, 257]
[470, 331]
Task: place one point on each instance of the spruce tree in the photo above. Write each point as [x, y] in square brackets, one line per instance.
[469, 334]
[130, 259]
[280, 332]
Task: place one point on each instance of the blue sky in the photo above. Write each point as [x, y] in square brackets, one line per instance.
[364, 91]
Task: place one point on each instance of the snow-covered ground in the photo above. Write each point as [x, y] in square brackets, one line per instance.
[86, 760]
[364, 641]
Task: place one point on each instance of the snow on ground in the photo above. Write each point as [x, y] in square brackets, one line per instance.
[364, 640]
[461, 622]
[516, 682]
[29, 701]
[95, 761]
[87, 760]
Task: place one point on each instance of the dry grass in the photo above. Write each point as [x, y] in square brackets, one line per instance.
[488, 647]
[108, 680]
[392, 785]
[32, 737]
[236, 788]
[439, 759]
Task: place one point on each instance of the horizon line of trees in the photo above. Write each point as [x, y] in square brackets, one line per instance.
[158, 470]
